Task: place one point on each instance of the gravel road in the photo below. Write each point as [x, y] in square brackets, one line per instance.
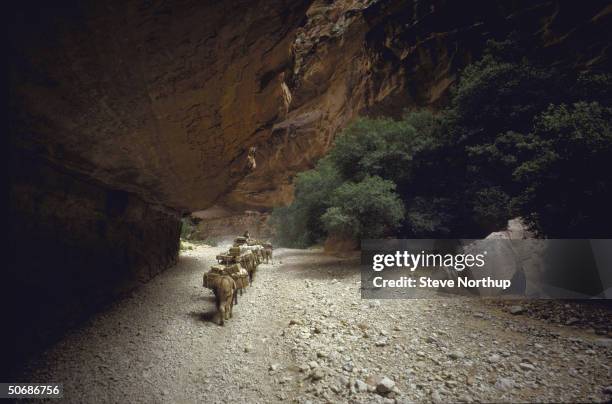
[302, 333]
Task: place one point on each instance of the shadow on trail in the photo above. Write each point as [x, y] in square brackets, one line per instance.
[192, 262]
[310, 264]
[204, 316]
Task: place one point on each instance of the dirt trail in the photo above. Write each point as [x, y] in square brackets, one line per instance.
[302, 333]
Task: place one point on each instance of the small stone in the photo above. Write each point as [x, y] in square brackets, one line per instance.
[494, 358]
[504, 384]
[348, 367]
[526, 366]
[313, 364]
[321, 354]
[435, 397]
[304, 368]
[381, 342]
[430, 340]
[456, 355]
[385, 385]
[572, 321]
[273, 367]
[317, 374]
[517, 310]
[361, 386]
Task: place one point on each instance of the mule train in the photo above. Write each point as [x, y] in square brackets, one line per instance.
[235, 272]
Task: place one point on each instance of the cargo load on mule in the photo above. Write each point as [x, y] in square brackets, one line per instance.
[240, 276]
[224, 287]
[212, 277]
[238, 241]
[254, 250]
[245, 260]
[227, 259]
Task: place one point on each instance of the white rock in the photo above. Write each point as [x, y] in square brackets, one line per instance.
[456, 355]
[385, 385]
[517, 310]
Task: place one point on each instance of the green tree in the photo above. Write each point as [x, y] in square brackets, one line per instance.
[566, 185]
[519, 138]
[299, 224]
[366, 209]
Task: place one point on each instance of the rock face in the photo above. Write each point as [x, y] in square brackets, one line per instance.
[164, 99]
[74, 246]
[226, 227]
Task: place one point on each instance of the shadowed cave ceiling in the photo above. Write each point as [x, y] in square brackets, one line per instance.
[164, 99]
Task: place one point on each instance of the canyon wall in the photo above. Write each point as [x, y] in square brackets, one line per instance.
[225, 228]
[164, 99]
[373, 58]
[74, 245]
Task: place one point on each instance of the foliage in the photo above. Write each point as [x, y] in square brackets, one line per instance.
[566, 187]
[366, 209]
[299, 224]
[187, 228]
[519, 137]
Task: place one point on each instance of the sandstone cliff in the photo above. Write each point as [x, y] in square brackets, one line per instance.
[163, 99]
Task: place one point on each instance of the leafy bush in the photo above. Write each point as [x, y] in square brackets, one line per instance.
[299, 225]
[366, 209]
[566, 187]
[187, 228]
